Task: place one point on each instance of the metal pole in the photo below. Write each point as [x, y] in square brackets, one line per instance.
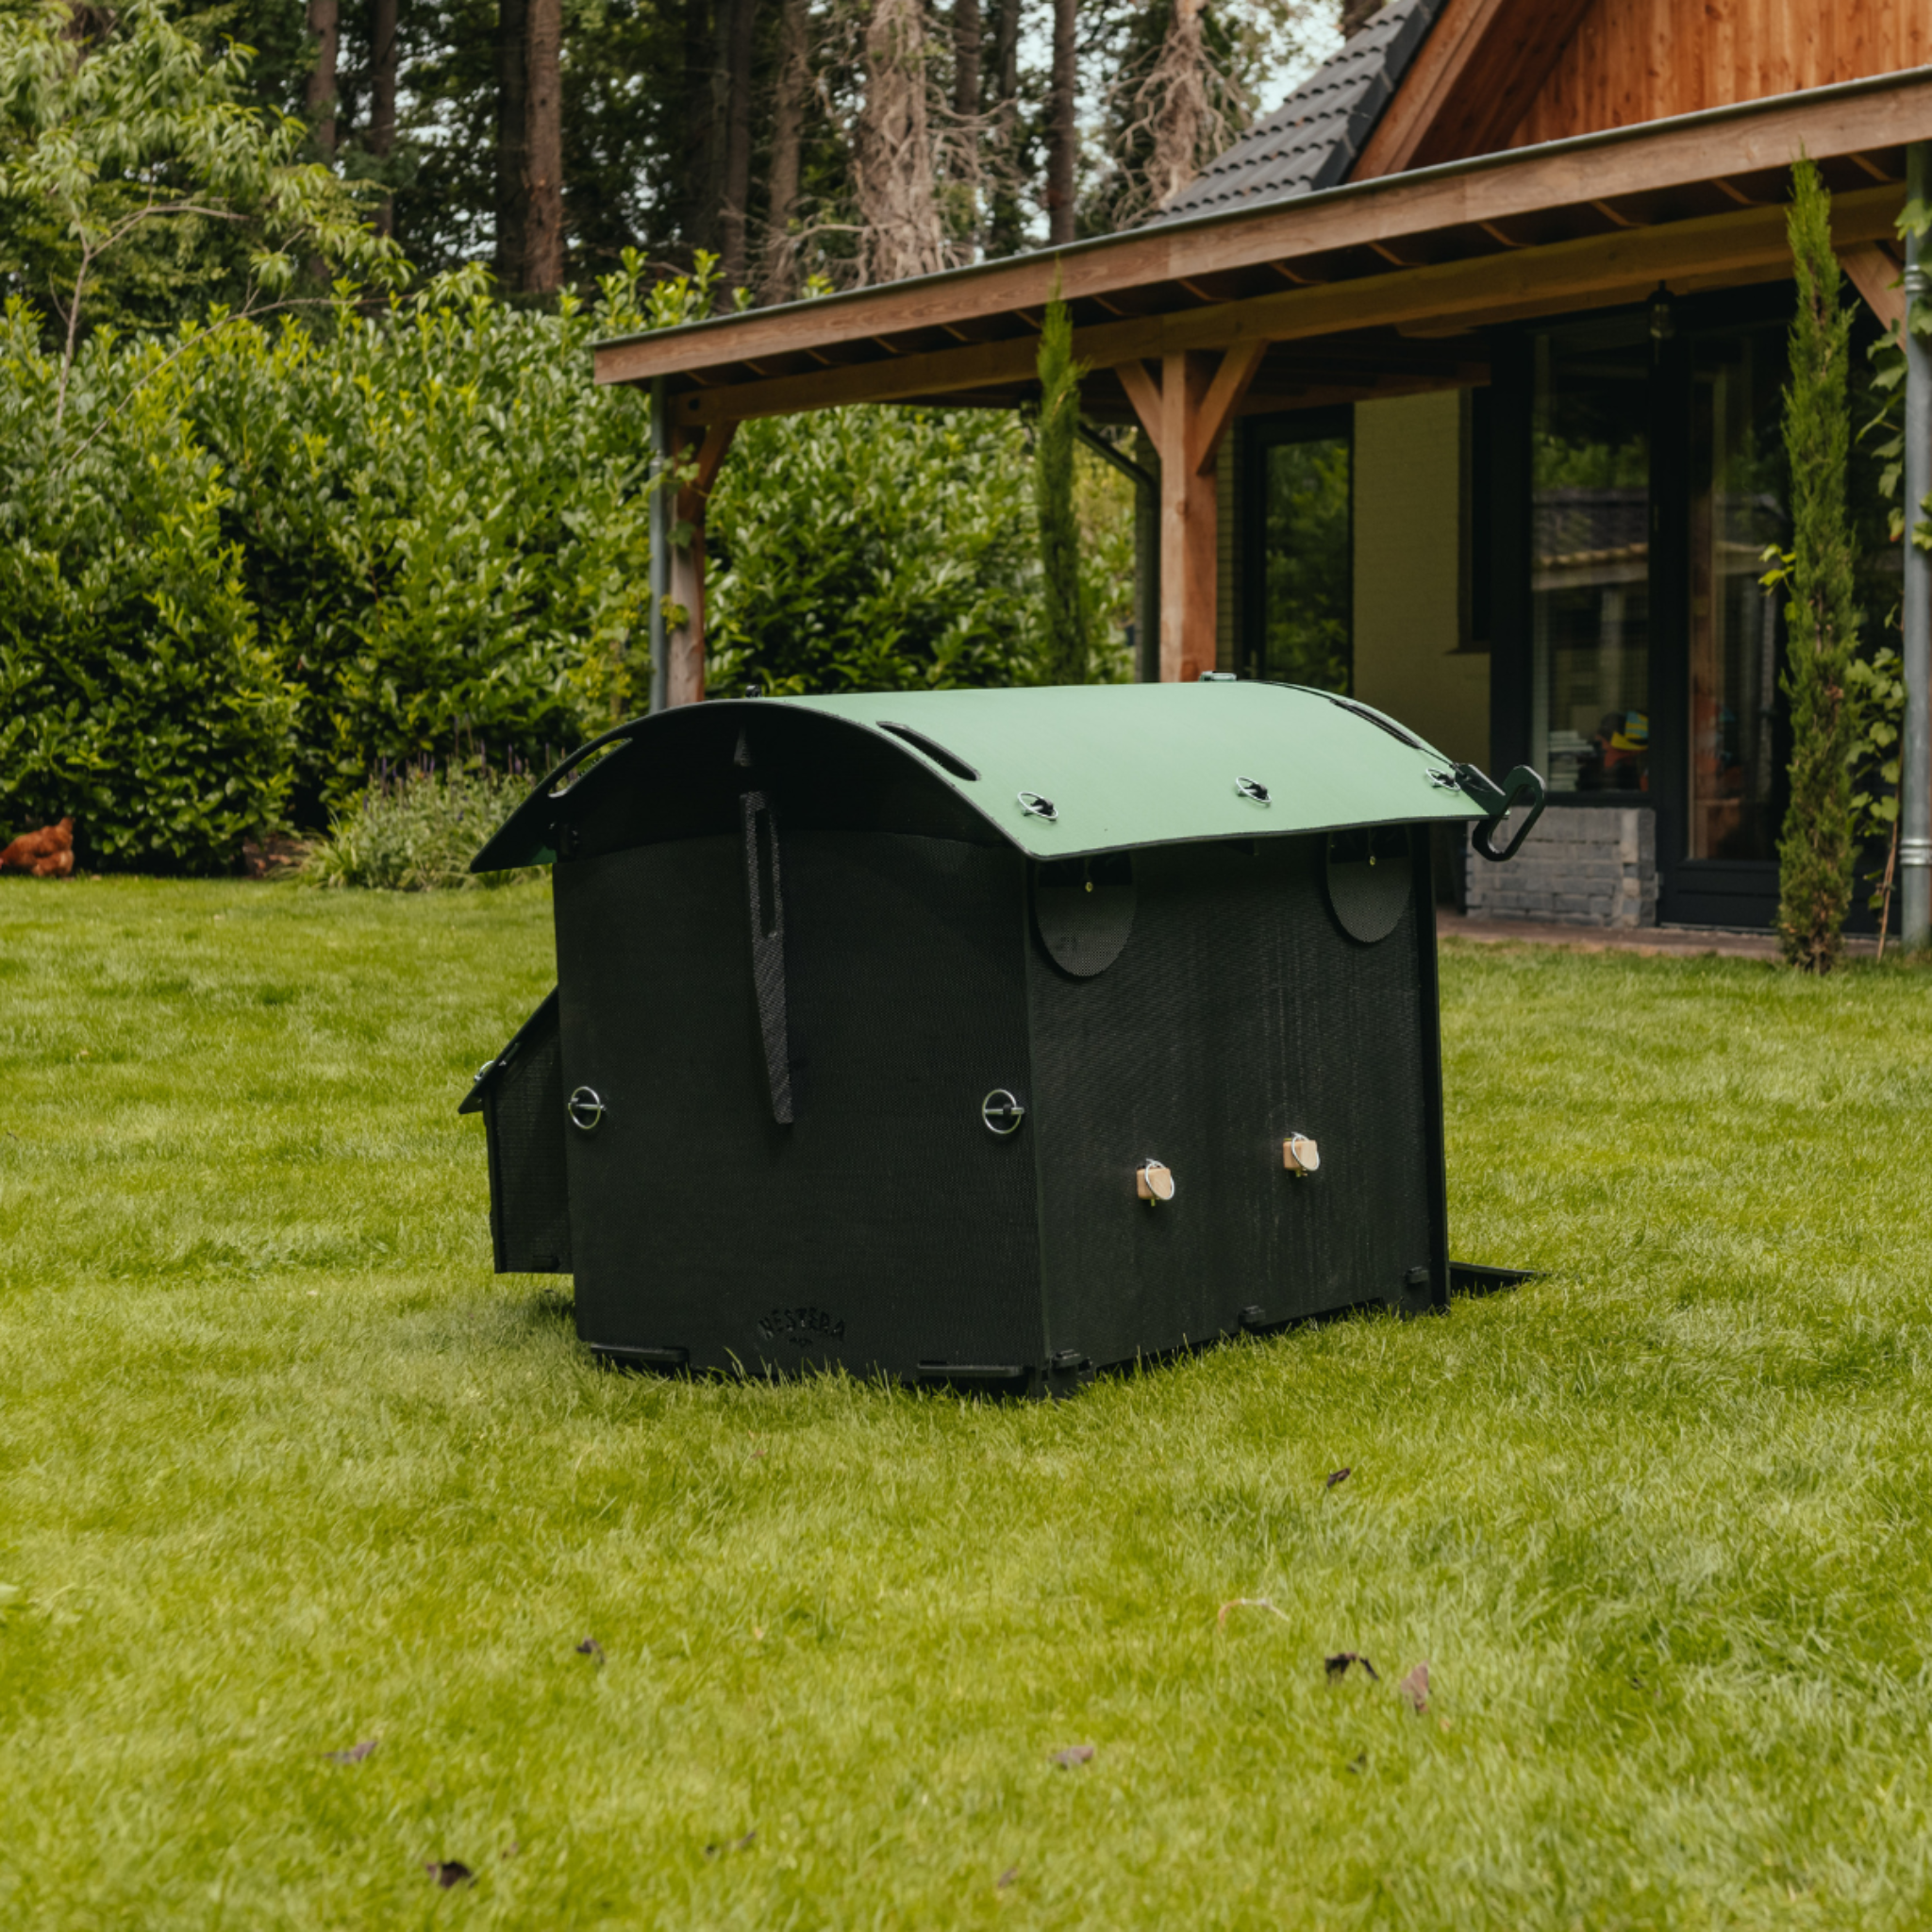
[661, 494]
[1915, 771]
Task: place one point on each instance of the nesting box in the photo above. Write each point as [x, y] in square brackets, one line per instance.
[981, 1037]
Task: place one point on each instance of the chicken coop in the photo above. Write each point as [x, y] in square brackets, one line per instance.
[983, 1037]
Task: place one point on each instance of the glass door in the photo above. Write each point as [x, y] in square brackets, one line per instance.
[1590, 560]
[1733, 623]
[1300, 564]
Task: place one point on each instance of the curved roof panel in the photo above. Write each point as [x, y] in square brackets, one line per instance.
[1126, 765]
[1059, 772]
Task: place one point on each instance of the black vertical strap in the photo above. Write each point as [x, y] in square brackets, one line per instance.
[768, 947]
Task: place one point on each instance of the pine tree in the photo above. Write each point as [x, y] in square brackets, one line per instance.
[1818, 848]
[1052, 493]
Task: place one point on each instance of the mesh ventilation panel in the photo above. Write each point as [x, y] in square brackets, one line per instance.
[529, 1189]
[1237, 1014]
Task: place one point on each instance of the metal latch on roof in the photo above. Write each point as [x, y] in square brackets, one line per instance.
[1520, 787]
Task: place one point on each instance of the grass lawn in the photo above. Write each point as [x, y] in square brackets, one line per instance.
[284, 1468]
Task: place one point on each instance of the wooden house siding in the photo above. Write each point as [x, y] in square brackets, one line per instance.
[1632, 61]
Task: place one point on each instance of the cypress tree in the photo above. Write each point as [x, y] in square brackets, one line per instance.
[1818, 846]
[1053, 495]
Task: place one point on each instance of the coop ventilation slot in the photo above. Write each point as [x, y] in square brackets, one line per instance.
[1376, 719]
[946, 760]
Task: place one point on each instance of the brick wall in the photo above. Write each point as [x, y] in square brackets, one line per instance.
[1583, 865]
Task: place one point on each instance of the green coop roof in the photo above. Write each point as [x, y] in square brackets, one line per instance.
[1150, 764]
[1062, 771]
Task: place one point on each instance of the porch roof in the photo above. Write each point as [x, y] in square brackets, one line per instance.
[1364, 290]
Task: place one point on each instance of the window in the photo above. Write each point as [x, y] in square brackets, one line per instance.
[1590, 562]
[1301, 560]
[1736, 511]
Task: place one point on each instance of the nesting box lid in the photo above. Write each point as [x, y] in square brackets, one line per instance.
[1067, 771]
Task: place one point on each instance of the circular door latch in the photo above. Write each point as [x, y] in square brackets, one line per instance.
[1001, 1112]
[1253, 788]
[585, 1109]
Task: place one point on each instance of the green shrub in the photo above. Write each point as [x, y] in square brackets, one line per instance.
[136, 692]
[256, 564]
[873, 549]
[1818, 848]
[417, 828]
[443, 522]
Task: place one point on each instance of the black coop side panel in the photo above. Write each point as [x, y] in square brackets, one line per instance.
[523, 1124]
[884, 1227]
[1238, 1013]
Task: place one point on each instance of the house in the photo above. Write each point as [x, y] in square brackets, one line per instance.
[1456, 379]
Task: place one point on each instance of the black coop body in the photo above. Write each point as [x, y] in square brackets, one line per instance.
[982, 1038]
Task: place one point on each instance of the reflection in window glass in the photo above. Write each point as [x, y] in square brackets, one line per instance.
[1737, 509]
[1305, 582]
[1591, 566]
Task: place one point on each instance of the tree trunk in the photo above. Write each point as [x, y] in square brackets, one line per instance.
[735, 195]
[544, 155]
[697, 214]
[512, 93]
[779, 280]
[898, 203]
[1061, 132]
[1062, 605]
[966, 35]
[322, 24]
[382, 96]
[967, 136]
[1180, 111]
[1002, 227]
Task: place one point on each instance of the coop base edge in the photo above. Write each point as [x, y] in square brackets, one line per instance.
[1067, 1371]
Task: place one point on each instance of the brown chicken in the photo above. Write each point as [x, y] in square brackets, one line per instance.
[47, 853]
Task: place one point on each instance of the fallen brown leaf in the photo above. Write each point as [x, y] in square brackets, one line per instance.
[353, 1754]
[1072, 1755]
[1337, 1476]
[1006, 1877]
[591, 1647]
[1415, 1688]
[448, 1871]
[736, 1845]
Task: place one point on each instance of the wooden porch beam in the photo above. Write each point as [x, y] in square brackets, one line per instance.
[1744, 246]
[1144, 393]
[1852, 119]
[1230, 384]
[1186, 414]
[1875, 277]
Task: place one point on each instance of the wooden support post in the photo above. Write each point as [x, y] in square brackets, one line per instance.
[1188, 524]
[684, 629]
[1186, 414]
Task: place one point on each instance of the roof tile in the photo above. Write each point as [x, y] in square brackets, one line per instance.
[1311, 141]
